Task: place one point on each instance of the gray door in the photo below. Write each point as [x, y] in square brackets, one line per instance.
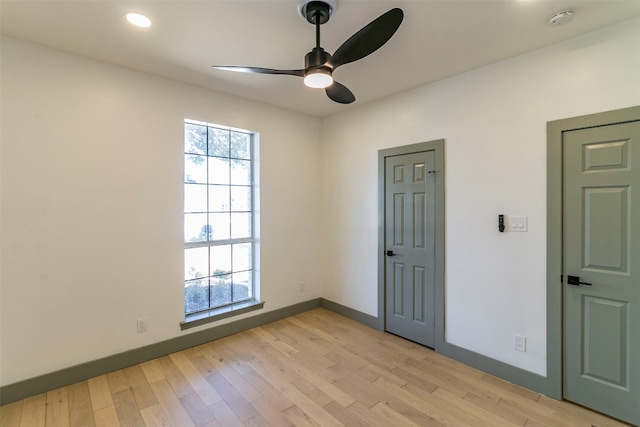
[410, 246]
[601, 223]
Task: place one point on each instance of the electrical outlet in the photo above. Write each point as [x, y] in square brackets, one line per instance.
[520, 342]
[142, 325]
[301, 287]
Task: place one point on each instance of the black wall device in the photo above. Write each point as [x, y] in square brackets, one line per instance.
[501, 223]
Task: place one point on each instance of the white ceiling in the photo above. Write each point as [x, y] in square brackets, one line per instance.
[437, 39]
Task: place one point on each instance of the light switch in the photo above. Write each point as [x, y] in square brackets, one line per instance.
[518, 223]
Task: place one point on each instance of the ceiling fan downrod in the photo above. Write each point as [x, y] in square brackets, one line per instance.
[317, 13]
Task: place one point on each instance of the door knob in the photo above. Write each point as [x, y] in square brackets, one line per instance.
[575, 281]
[390, 253]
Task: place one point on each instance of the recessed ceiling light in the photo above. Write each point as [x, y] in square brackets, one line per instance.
[138, 20]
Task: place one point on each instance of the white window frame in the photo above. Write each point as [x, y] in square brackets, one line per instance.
[251, 303]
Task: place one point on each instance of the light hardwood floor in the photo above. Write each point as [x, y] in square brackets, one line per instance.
[313, 369]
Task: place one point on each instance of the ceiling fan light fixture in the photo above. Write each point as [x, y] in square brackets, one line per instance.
[318, 79]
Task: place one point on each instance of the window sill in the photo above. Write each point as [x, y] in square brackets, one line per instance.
[198, 319]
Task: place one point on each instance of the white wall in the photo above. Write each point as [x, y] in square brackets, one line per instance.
[91, 220]
[494, 122]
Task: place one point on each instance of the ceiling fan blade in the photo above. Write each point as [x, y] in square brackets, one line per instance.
[258, 70]
[339, 93]
[369, 39]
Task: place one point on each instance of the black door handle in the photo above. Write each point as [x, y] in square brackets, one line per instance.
[575, 281]
[390, 253]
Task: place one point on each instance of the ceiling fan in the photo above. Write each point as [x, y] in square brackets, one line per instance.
[319, 64]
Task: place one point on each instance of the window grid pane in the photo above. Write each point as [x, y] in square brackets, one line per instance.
[218, 229]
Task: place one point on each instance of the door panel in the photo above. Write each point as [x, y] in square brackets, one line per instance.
[601, 226]
[398, 289]
[606, 360]
[398, 219]
[606, 219]
[409, 233]
[419, 290]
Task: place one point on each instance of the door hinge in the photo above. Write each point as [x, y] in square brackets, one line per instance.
[561, 278]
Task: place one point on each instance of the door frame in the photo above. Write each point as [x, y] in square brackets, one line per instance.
[438, 147]
[555, 130]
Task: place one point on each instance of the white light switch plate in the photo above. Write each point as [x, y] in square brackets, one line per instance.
[518, 223]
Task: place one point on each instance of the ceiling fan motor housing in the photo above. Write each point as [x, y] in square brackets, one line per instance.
[317, 57]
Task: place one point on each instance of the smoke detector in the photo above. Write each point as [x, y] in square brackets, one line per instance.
[561, 18]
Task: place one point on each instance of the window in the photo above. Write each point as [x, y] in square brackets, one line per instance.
[218, 218]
